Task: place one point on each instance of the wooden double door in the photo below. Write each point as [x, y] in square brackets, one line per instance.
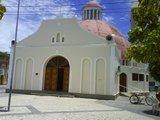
[123, 82]
[57, 75]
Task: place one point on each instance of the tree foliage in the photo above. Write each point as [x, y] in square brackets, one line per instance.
[4, 55]
[145, 34]
[2, 11]
[154, 69]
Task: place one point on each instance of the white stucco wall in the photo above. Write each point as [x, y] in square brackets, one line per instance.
[135, 85]
[78, 45]
[40, 59]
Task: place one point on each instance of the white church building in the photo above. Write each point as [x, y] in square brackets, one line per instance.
[85, 58]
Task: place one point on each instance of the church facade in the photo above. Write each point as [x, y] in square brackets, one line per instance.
[83, 58]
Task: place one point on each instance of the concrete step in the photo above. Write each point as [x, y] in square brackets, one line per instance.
[54, 94]
[127, 94]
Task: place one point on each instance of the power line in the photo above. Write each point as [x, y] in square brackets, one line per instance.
[73, 4]
[120, 10]
[57, 11]
[29, 12]
[113, 10]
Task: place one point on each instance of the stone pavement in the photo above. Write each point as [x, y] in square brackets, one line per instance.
[34, 107]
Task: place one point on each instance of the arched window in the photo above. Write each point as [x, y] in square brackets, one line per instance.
[62, 39]
[58, 37]
[53, 40]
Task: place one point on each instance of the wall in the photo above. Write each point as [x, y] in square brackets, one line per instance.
[95, 57]
[135, 85]
[84, 51]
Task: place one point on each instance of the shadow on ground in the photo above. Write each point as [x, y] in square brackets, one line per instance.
[123, 103]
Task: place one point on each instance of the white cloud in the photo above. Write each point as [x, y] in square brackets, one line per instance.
[7, 27]
[125, 17]
[108, 19]
[47, 9]
[128, 2]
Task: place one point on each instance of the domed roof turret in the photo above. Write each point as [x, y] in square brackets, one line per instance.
[103, 29]
[93, 3]
[92, 11]
[92, 22]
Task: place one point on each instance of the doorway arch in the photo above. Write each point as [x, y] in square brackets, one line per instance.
[57, 74]
[123, 82]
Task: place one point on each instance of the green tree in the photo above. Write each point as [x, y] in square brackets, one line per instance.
[154, 68]
[4, 55]
[145, 35]
[2, 10]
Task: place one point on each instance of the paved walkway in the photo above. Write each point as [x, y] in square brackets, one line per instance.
[34, 107]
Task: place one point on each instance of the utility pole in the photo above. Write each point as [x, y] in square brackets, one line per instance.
[13, 58]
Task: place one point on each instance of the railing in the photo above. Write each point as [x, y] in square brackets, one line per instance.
[124, 88]
[130, 89]
[136, 89]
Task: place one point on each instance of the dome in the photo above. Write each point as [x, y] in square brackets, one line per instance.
[103, 29]
[92, 10]
[93, 3]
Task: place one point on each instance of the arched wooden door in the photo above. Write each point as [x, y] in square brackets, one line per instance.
[123, 82]
[57, 74]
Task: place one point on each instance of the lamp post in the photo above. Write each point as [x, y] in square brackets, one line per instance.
[13, 57]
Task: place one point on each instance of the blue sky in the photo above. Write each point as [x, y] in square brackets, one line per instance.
[32, 12]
